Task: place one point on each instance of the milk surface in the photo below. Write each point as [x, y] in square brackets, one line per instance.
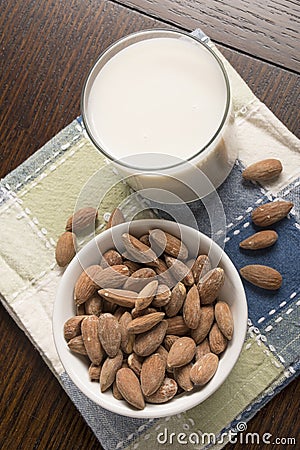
[157, 100]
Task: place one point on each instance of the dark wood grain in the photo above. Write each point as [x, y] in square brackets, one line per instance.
[46, 50]
[279, 89]
[265, 29]
[46, 58]
[35, 411]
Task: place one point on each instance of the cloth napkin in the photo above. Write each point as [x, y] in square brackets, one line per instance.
[36, 199]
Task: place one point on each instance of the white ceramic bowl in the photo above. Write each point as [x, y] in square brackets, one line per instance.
[77, 367]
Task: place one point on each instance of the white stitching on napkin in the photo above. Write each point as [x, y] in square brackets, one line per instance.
[281, 305]
[33, 281]
[25, 212]
[261, 337]
[247, 210]
[246, 111]
[40, 233]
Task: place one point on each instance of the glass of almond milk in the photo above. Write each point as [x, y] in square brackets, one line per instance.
[157, 103]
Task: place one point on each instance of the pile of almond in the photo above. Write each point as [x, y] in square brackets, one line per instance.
[264, 216]
[150, 320]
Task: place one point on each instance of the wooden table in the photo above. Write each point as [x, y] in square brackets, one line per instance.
[46, 50]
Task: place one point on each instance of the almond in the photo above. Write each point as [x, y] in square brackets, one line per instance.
[85, 286]
[163, 353]
[164, 393]
[169, 244]
[132, 266]
[81, 219]
[139, 279]
[135, 363]
[130, 388]
[109, 370]
[72, 327]
[138, 251]
[200, 267]
[264, 170]
[191, 308]
[115, 218]
[182, 377]
[162, 296]
[116, 393]
[127, 340]
[180, 271]
[177, 326]
[152, 374]
[202, 349]
[181, 352]
[119, 312]
[146, 295]
[262, 239]
[142, 312]
[164, 275]
[94, 372]
[262, 276]
[210, 285]
[145, 239]
[144, 273]
[119, 297]
[269, 213]
[224, 319]
[205, 324]
[169, 341]
[147, 343]
[94, 305]
[109, 334]
[80, 309]
[217, 340]
[76, 345]
[112, 258]
[204, 369]
[89, 329]
[65, 248]
[109, 307]
[145, 323]
[112, 276]
[178, 295]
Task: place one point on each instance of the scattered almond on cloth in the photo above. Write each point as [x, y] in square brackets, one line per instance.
[263, 216]
[264, 170]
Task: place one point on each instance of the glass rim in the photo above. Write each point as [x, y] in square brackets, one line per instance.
[132, 36]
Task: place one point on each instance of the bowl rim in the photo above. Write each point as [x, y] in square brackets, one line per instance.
[105, 400]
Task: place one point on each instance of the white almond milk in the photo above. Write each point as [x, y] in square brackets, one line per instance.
[158, 102]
